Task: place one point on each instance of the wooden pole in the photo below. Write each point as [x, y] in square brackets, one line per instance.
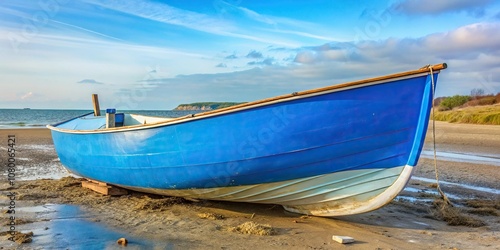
[95, 101]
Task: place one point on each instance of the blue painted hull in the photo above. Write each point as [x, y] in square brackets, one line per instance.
[377, 126]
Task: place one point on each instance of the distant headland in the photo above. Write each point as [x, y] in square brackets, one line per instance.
[206, 105]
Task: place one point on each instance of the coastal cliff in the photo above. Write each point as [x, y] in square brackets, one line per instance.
[206, 105]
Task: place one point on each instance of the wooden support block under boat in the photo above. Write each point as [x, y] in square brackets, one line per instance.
[103, 188]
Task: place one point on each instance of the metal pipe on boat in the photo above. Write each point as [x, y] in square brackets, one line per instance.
[110, 118]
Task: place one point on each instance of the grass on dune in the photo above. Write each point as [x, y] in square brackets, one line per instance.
[474, 115]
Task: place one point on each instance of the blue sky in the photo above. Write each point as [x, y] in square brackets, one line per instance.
[157, 54]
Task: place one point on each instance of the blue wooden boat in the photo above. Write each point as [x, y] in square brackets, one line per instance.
[343, 149]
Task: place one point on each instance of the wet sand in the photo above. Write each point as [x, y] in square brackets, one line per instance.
[61, 214]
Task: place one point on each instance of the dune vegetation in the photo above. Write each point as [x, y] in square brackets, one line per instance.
[476, 108]
[476, 114]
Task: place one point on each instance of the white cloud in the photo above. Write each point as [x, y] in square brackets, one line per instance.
[232, 56]
[170, 15]
[87, 30]
[432, 7]
[472, 53]
[164, 13]
[27, 95]
[477, 37]
[305, 34]
[466, 42]
[267, 62]
[306, 56]
[256, 16]
[254, 54]
[51, 53]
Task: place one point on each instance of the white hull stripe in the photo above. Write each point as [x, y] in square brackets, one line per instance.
[336, 194]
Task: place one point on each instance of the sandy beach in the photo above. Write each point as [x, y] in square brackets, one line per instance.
[63, 215]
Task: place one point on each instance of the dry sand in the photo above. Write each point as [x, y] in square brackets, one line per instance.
[155, 222]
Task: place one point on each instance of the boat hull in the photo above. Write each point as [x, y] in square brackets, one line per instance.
[339, 152]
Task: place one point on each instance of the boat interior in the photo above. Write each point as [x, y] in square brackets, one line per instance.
[91, 122]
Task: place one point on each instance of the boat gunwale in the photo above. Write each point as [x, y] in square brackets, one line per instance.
[264, 102]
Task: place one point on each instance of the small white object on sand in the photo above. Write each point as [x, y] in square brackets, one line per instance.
[343, 239]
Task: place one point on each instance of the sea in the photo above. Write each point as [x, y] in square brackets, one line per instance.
[38, 118]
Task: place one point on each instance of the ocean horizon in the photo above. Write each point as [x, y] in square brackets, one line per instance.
[39, 118]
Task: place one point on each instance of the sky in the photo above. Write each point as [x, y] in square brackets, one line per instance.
[154, 55]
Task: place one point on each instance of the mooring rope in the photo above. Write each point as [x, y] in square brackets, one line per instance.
[443, 195]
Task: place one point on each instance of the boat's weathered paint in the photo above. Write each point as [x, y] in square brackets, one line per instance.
[337, 152]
